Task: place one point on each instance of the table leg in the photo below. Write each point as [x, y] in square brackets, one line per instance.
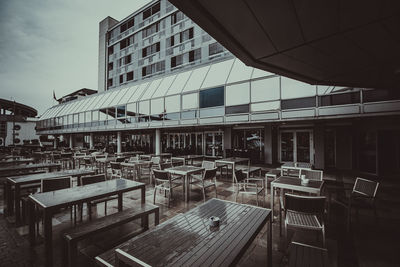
[9, 199]
[32, 219]
[269, 242]
[120, 201]
[272, 201]
[17, 205]
[48, 237]
[143, 194]
[185, 182]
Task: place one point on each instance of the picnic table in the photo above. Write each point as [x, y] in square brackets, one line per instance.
[50, 202]
[29, 167]
[34, 181]
[185, 171]
[188, 240]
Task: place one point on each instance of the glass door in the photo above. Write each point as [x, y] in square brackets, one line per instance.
[199, 144]
[287, 146]
[214, 145]
[296, 146]
[209, 144]
[303, 147]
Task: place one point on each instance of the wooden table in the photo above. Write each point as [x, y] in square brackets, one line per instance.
[33, 179]
[293, 183]
[187, 240]
[185, 171]
[50, 202]
[231, 161]
[29, 167]
[302, 255]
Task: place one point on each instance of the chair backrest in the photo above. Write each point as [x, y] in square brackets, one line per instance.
[120, 159]
[165, 165]
[53, 184]
[135, 158]
[208, 164]
[156, 160]
[161, 175]
[290, 171]
[365, 187]
[239, 176]
[100, 156]
[145, 157]
[91, 179]
[80, 154]
[115, 165]
[66, 155]
[307, 204]
[303, 165]
[210, 173]
[312, 174]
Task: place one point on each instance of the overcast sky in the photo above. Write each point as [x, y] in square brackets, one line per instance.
[48, 45]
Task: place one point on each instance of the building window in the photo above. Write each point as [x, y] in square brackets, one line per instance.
[194, 55]
[150, 30]
[186, 35]
[111, 50]
[176, 17]
[339, 99]
[380, 95]
[176, 61]
[237, 109]
[129, 24]
[151, 10]
[121, 78]
[110, 66]
[128, 59]
[215, 48]
[153, 68]
[151, 49]
[304, 102]
[109, 82]
[129, 76]
[124, 43]
[170, 41]
[213, 97]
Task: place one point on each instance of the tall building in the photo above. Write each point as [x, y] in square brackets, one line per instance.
[166, 85]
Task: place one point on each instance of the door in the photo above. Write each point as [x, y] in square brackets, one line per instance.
[296, 146]
[214, 144]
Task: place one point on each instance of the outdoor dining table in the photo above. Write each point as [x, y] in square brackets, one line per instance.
[135, 165]
[79, 158]
[104, 162]
[185, 171]
[12, 162]
[188, 240]
[29, 167]
[231, 161]
[50, 202]
[33, 179]
[293, 183]
[190, 158]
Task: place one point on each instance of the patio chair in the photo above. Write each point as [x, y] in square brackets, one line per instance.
[208, 164]
[362, 196]
[91, 179]
[167, 165]
[312, 174]
[305, 212]
[116, 171]
[66, 159]
[249, 186]
[290, 171]
[207, 179]
[163, 182]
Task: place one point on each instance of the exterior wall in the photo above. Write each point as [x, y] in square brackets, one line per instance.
[27, 132]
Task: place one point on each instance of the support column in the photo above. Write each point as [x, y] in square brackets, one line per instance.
[158, 142]
[319, 145]
[91, 140]
[268, 146]
[55, 142]
[71, 139]
[119, 150]
[227, 141]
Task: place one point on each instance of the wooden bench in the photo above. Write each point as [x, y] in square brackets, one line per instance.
[92, 228]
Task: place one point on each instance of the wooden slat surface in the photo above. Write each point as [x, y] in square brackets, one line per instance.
[31, 178]
[29, 167]
[307, 256]
[186, 239]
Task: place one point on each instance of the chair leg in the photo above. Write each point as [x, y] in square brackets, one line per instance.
[105, 208]
[323, 236]
[216, 195]
[169, 197]
[204, 194]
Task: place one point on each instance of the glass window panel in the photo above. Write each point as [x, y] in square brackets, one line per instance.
[103, 114]
[211, 112]
[84, 104]
[196, 79]
[164, 86]
[265, 106]
[73, 107]
[101, 100]
[173, 103]
[380, 95]
[238, 94]
[151, 89]
[294, 89]
[110, 98]
[190, 101]
[139, 91]
[121, 111]
[78, 106]
[218, 74]
[265, 89]
[82, 117]
[239, 72]
[157, 106]
[325, 90]
[129, 94]
[339, 99]
[94, 103]
[305, 102]
[118, 97]
[257, 73]
[131, 109]
[191, 114]
[144, 107]
[212, 97]
[88, 116]
[237, 109]
[172, 116]
[179, 83]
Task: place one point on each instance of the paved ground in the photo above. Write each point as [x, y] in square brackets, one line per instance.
[368, 244]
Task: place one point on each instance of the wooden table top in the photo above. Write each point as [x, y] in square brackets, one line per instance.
[232, 160]
[188, 240]
[78, 194]
[29, 166]
[185, 169]
[134, 163]
[293, 181]
[31, 178]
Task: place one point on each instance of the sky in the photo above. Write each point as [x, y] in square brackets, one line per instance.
[52, 45]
